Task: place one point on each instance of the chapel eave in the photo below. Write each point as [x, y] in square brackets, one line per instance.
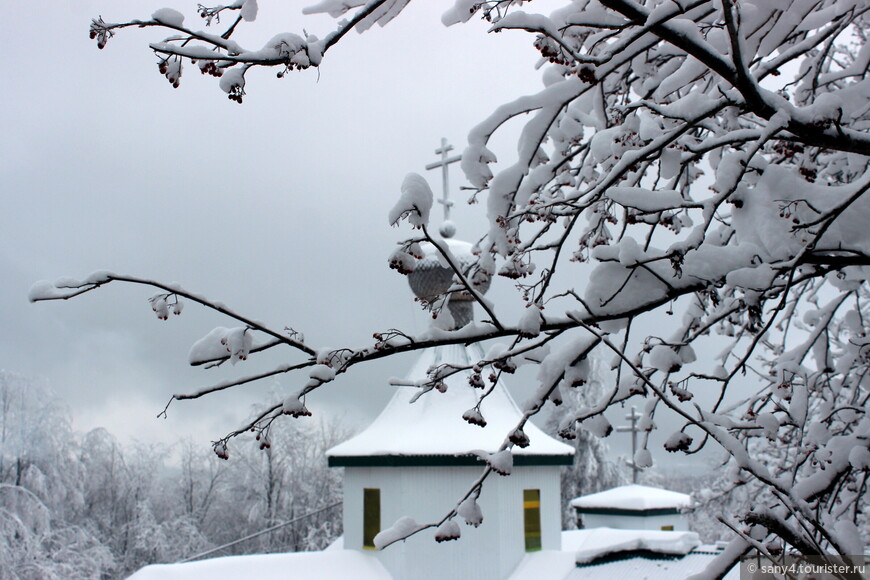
[440, 460]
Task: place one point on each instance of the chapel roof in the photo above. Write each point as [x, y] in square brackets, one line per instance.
[637, 498]
[431, 430]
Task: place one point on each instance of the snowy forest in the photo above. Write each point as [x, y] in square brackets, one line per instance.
[688, 204]
[84, 506]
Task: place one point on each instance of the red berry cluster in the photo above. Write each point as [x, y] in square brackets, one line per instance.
[568, 433]
[680, 442]
[519, 438]
[296, 410]
[447, 531]
[474, 417]
[210, 67]
[264, 441]
[587, 75]
[682, 394]
[402, 262]
[475, 380]
[505, 365]
[550, 50]
[171, 69]
[787, 149]
[220, 449]
[99, 32]
[236, 93]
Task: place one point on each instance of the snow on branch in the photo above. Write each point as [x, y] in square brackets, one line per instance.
[415, 203]
[217, 55]
[238, 344]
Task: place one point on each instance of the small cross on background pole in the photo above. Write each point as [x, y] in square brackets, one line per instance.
[634, 416]
[446, 231]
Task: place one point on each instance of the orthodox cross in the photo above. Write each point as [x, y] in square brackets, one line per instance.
[633, 417]
[443, 163]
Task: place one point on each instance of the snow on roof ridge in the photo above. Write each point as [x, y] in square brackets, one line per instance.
[633, 497]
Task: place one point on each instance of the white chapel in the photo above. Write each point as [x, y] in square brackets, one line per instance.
[419, 457]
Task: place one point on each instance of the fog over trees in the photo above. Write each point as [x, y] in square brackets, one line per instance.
[689, 203]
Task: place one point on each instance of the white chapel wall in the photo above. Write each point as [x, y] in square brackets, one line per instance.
[491, 551]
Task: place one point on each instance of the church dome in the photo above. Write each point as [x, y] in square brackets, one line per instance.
[432, 277]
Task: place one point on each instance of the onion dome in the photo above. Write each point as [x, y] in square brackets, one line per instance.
[432, 278]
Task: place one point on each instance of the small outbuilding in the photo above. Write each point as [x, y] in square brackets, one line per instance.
[633, 507]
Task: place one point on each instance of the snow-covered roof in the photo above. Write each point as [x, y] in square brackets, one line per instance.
[596, 553]
[552, 565]
[632, 498]
[433, 426]
[326, 565]
[651, 555]
[595, 543]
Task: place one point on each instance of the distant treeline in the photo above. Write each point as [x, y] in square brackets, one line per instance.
[85, 507]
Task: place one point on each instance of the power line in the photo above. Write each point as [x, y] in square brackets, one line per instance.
[260, 533]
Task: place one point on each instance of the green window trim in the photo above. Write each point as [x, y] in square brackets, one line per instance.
[371, 516]
[532, 519]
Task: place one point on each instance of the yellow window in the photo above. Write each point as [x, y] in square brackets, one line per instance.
[371, 516]
[667, 528]
[532, 518]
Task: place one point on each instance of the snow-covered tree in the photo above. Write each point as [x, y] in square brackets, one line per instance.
[199, 483]
[278, 480]
[74, 506]
[592, 470]
[41, 496]
[703, 159]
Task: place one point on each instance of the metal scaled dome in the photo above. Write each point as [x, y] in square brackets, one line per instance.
[432, 278]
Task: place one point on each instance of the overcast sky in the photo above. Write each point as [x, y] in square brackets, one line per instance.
[276, 207]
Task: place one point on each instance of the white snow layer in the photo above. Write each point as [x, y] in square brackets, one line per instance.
[433, 425]
[327, 565]
[403, 528]
[414, 203]
[249, 10]
[169, 17]
[599, 542]
[564, 564]
[633, 497]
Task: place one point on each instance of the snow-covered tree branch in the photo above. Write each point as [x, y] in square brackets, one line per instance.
[706, 160]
